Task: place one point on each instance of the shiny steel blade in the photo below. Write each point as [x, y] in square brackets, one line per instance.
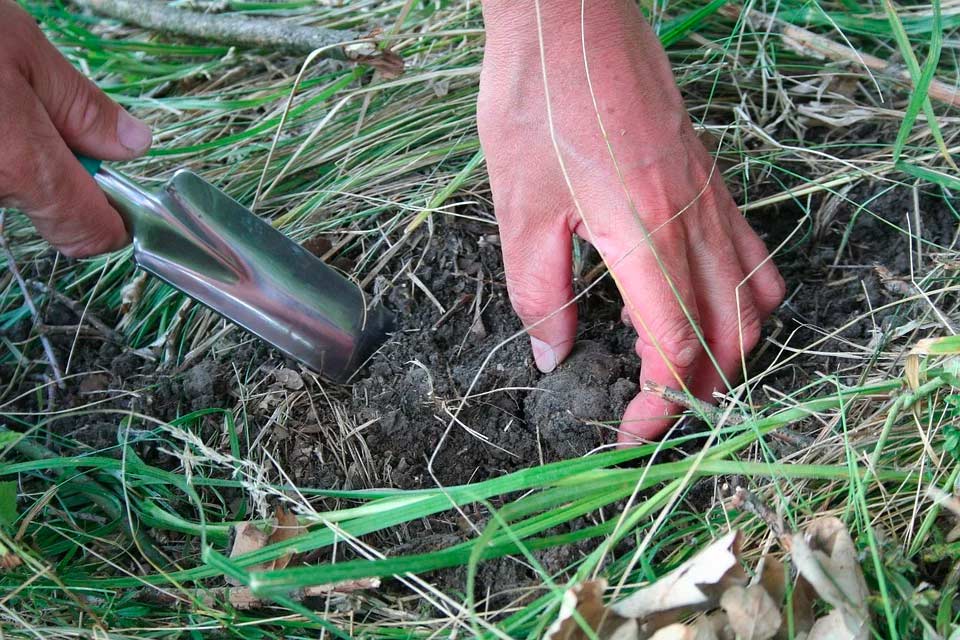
[204, 243]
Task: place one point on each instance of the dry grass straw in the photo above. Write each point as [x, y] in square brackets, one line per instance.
[372, 165]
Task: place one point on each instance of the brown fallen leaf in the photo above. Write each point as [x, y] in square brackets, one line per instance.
[679, 631]
[287, 527]
[752, 612]
[954, 534]
[587, 600]
[131, 293]
[247, 537]
[288, 379]
[697, 584]
[773, 577]
[801, 602]
[715, 625]
[826, 557]
[832, 626]
[8, 559]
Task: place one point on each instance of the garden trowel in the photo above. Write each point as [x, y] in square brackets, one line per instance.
[206, 244]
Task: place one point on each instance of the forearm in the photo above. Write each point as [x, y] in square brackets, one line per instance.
[608, 38]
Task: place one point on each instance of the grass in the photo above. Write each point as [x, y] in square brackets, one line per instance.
[111, 544]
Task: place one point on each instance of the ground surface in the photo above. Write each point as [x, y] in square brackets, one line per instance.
[399, 415]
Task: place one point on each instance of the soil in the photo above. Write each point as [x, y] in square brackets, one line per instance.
[415, 384]
[456, 342]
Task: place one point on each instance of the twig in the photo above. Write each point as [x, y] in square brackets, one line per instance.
[743, 500]
[715, 414]
[28, 300]
[243, 598]
[79, 310]
[240, 30]
[812, 44]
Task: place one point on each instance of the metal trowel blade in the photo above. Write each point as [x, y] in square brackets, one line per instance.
[206, 244]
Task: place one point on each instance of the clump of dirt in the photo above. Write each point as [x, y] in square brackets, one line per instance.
[513, 415]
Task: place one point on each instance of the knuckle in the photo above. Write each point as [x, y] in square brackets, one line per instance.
[84, 113]
[746, 328]
[530, 306]
[86, 246]
[775, 291]
[677, 339]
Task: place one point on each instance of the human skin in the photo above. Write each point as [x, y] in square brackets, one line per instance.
[549, 182]
[47, 109]
[655, 177]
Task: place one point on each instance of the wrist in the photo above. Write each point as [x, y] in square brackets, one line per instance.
[511, 25]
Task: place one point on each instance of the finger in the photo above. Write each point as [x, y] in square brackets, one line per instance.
[40, 176]
[730, 317]
[766, 283]
[89, 121]
[661, 303]
[647, 417]
[539, 273]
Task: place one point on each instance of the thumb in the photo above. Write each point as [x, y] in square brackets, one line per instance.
[539, 273]
[89, 122]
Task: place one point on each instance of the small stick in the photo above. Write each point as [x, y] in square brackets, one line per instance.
[813, 44]
[903, 287]
[230, 29]
[44, 340]
[244, 598]
[744, 500]
[79, 310]
[716, 414]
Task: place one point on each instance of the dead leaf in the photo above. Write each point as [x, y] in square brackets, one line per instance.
[836, 114]
[387, 62]
[697, 584]
[911, 371]
[587, 600]
[288, 379]
[94, 383]
[827, 558]
[679, 631]
[716, 624]
[954, 534]
[287, 527]
[773, 577]
[244, 598]
[8, 559]
[801, 601]
[130, 295]
[247, 538]
[832, 626]
[752, 612]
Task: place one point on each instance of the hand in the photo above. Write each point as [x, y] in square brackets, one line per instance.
[700, 254]
[47, 109]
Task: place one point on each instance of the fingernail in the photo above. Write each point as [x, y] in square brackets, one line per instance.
[134, 134]
[543, 355]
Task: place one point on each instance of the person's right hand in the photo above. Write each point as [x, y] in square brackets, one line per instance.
[642, 189]
[47, 111]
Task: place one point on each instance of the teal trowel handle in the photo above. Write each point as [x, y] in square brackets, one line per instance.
[90, 164]
[129, 199]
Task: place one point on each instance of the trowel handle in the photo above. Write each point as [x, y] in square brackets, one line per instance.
[129, 199]
[90, 164]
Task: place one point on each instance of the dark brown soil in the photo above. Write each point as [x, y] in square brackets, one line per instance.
[399, 414]
[515, 416]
